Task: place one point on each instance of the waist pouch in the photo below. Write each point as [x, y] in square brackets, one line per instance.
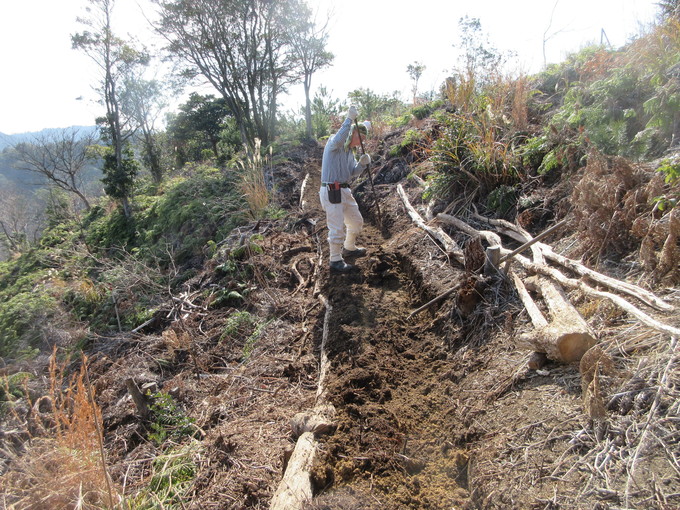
[334, 193]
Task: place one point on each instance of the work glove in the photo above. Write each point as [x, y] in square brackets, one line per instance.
[352, 114]
[365, 160]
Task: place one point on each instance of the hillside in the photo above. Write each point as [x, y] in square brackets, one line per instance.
[232, 370]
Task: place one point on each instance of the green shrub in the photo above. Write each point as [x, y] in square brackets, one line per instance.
[502, 199]
[169, 420]
[412, 139]
[22, 317]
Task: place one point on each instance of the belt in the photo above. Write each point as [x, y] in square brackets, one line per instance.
[342, 184]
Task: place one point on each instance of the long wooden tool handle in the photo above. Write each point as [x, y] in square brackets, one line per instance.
[370, 177]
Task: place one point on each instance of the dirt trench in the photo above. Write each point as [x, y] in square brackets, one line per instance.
[392, 446]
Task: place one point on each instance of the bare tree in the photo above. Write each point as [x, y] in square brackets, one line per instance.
[308, 44]
[18, 219]
[61, 157]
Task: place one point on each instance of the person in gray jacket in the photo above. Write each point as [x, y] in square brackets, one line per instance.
[338, 166]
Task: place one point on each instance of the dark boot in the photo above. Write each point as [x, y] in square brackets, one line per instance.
[340, 266]
[356, 252]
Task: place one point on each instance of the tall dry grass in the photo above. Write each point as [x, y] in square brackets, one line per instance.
[62, 466]
[252, 184]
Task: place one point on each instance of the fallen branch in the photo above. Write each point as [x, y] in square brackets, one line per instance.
[137, 397]
[302, 282]
[620, 286]
[541, 268]
[532, 241]
[583, 287]
[537, 318]
[295, 489]
[437, 233]
[434, 301]
[302, 191]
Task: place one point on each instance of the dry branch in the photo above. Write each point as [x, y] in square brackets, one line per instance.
[620, 286]
[433, 301]
[303, 203]
[541, 268]
[586, 289]
[295, 489]
[532, 241]
[137, 398]
[490, 237]
[537, 318]
[449, 244]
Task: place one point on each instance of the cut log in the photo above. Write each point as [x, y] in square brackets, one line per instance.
[295, 489]
[567, 336]
[565, 339]
[450, 246]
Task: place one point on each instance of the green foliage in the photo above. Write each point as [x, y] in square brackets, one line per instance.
[239, 324]
[21, 317]
[471, 150]
[107, 230]
[242, 326]
[412, 139]
[25, 303]
[203, 129]
[119, 173]
[374, 106]
[323, 107]
[625, 103]
[13, 386]
[502, 199]
[169, 422]
[423, 111]
[670, 168]
[190, 210]
[174, 474]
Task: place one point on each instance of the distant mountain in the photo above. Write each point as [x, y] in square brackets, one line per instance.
[9, 140]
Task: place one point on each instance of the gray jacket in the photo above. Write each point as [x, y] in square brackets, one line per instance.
[337, 164]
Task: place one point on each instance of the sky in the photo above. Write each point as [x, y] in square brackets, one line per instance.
[47, 84]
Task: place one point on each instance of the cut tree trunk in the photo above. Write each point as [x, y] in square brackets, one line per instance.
[567, 336]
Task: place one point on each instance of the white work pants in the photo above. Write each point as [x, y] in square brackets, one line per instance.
[338, 216]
